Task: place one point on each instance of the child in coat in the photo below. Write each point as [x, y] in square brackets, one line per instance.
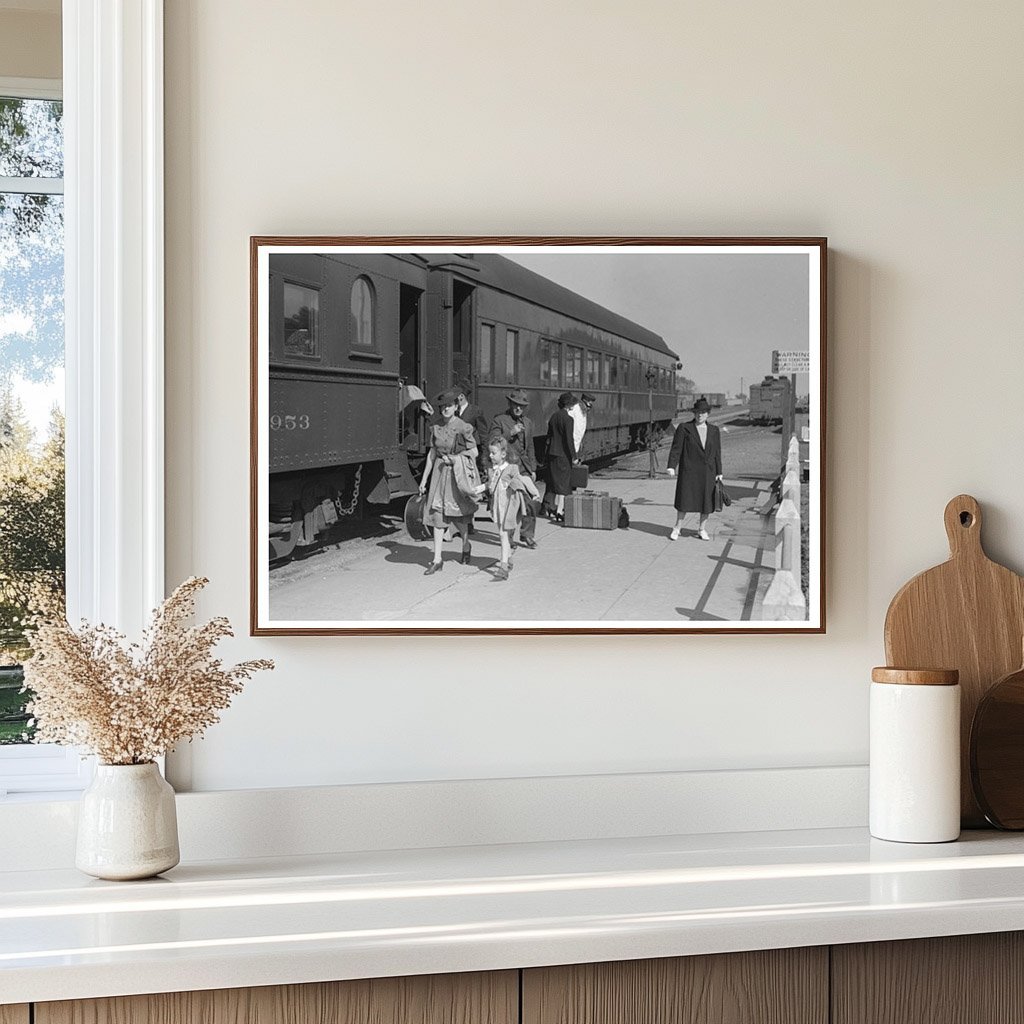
[509, 490]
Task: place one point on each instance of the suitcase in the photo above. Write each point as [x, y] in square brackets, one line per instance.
[579, 475]
[592, 510]
[415, 509]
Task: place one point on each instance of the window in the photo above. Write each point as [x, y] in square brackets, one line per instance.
[363, 323]
[486, 355]
[624, 368]
[114, 341]
[607, 371]
[593, 369]
[511, 353]
[548, 356]
[301, 321]
[32, 540]
[573, 367]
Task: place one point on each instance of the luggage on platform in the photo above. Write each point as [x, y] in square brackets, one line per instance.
[579, 475]
[415, 509]
[592, 510]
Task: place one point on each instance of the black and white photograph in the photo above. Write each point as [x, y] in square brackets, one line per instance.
[537, 435]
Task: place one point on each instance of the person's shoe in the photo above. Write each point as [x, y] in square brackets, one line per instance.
[703, 534]
[501, 572]
[529, 543]
[557, 517]
[433, 567]
[674, 535]
[465, 554]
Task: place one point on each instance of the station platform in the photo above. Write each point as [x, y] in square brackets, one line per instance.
[621, 575]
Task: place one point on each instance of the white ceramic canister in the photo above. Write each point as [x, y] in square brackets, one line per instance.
[915, 755]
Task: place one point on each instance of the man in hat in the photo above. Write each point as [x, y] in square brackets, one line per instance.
[473, 415]
[517, 430]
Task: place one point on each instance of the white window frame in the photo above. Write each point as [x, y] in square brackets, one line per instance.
[114, 336]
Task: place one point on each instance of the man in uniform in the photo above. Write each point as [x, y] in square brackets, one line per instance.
[517, 429]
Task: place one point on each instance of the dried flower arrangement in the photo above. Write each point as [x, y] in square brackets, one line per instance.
[130, 703]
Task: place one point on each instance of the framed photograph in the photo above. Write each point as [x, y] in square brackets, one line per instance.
[537, 435]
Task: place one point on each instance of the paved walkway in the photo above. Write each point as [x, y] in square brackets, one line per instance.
[573, 575]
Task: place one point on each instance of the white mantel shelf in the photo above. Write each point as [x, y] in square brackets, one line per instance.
[226, 924]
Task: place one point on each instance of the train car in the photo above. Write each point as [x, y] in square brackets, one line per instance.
[357, 338]
[716, 399]
[768, 400]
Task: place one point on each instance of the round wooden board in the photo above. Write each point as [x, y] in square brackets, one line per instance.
[997, 752]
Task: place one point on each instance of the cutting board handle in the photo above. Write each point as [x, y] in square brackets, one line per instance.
[963, 526]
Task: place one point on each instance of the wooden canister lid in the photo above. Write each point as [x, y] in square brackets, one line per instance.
[916, 676]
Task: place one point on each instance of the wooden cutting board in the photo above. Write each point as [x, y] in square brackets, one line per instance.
[967, 614]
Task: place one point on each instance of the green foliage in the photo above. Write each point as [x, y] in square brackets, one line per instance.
[31, 525]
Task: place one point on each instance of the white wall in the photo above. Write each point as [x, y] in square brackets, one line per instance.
[29, 43]
[894, 129]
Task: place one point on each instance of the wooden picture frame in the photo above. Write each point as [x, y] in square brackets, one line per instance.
[353, 339]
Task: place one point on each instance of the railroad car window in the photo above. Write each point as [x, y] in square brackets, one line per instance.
[363, 333]
[301, 319]
[573, 367]
[486, 353]
[624, 368]
[607, 371]
[593, 369]
[511, 355]
[548, 352]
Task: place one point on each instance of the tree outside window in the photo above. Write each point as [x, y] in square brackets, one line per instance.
[31, 386]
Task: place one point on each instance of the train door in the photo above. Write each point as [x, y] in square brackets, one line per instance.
[462, 331]
[410, 363]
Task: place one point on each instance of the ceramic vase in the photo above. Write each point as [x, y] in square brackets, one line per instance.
[127, 825]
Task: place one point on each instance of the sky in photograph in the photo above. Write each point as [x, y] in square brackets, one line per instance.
[722, 313]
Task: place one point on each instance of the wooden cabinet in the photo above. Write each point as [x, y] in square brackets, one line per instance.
[963, 979]
[778, 986]
[491, 998]
[970, 979]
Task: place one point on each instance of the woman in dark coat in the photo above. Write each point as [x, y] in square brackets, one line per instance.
[561, 454]
[697, 452]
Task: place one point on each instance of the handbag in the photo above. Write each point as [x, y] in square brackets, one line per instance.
[579, 475]
[720, 497]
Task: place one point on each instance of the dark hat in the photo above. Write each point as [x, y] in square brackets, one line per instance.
[519, 397]
[447, 398]
[464, 386]
[701, 405]
[587, 397]
[566, 399]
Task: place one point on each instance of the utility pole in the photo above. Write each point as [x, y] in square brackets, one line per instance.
[652, 470]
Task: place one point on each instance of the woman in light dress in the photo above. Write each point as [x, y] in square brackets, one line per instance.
[452, 476]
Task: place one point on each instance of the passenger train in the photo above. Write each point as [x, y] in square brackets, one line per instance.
[356, 339]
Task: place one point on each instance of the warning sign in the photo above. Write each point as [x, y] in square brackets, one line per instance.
[791, 362]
